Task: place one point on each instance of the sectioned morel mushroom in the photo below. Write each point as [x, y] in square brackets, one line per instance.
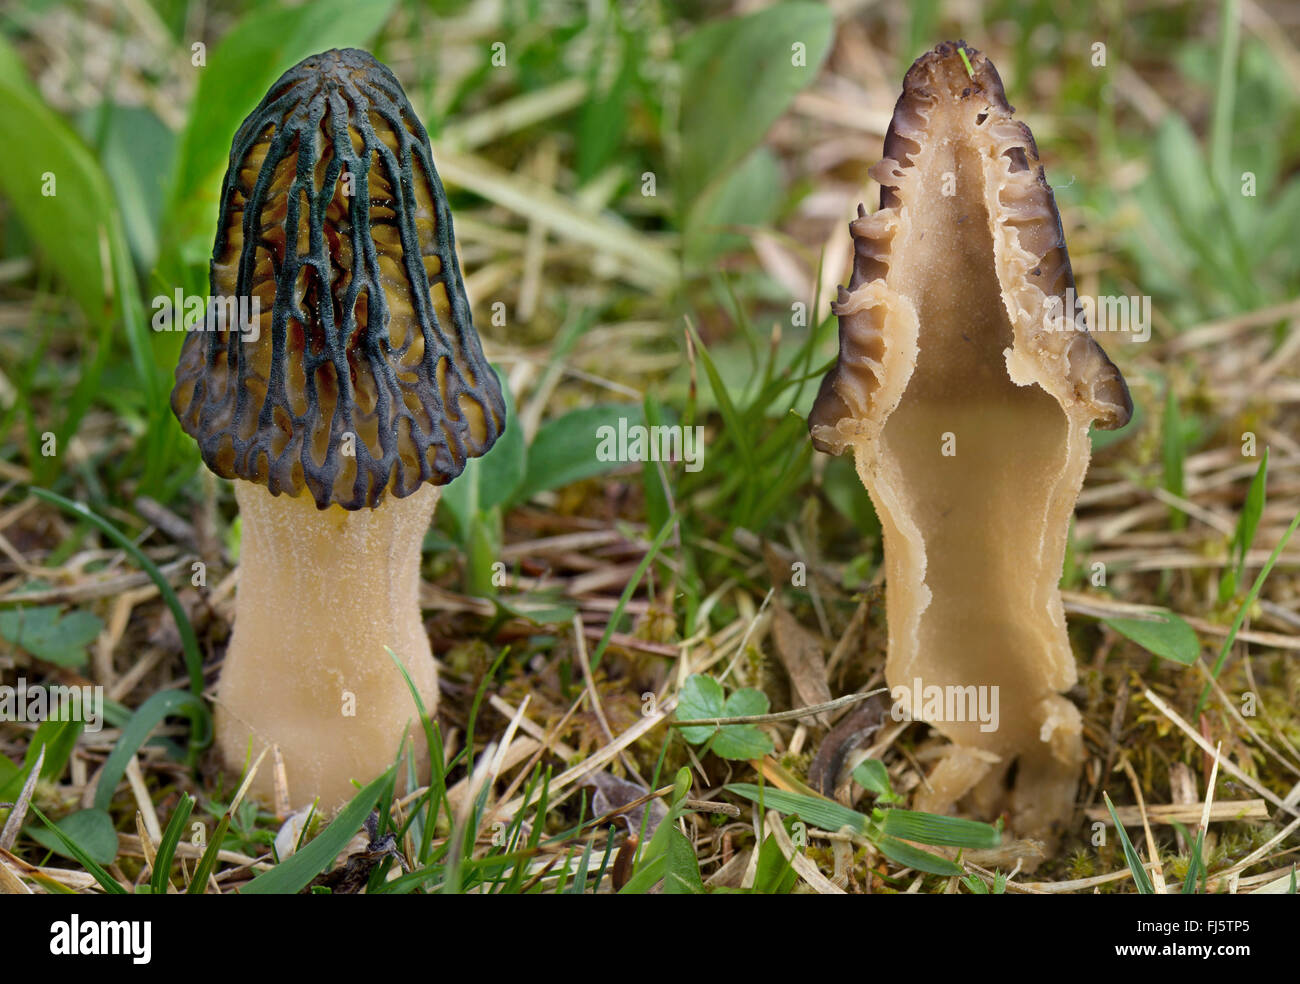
[966, 393]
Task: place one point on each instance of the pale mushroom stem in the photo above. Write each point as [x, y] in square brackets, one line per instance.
[321, 594]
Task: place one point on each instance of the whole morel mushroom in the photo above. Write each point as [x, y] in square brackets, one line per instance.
[360, 389]
[965, 390]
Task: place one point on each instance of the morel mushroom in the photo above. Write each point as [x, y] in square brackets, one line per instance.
[965, 390]
[361, 388]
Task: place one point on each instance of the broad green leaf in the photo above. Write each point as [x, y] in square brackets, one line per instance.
[602, 120]
[746, 702]
[773, 873]
[58, 738]
[751, 195]
[65, 203]
[1185, 185]
[569, 448]
[137, 149]
[482, 547]
[741, 742]
[47, 635]
[872, 776]
[58, 191]
[11, 64]
[1164, 635]
[8, 773]
[682, 874]
[1280, 220]
[1181, 172]
[739, 76]
[92, 830]
[701, 697]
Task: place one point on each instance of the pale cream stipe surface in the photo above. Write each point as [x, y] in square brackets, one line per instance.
[321, 593]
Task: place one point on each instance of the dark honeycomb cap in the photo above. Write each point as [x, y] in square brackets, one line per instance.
[364, 375]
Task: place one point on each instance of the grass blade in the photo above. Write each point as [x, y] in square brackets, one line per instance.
[1225, 93]
[1241, 612]
[106, 881]
[1140, 877]
[1247, 524]
[822, 813]
[291, 876]
[162, 864]
[1196, 869]
[928, 828]
[633, 582]
[190, 645]
[437, 795]
[137, 730]
[207, 864]
[905, 854]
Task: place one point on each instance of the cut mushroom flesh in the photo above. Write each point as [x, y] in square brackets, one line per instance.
[967, 402]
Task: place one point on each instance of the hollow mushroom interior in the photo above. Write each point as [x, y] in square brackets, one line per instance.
[967, 406]
[982, 511]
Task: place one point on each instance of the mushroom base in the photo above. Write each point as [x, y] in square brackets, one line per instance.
[321, 594]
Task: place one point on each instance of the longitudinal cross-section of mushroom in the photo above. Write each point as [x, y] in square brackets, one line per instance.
[360, 390]
[966, 391]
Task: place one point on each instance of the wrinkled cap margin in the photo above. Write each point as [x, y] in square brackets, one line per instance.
[1034, 264]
